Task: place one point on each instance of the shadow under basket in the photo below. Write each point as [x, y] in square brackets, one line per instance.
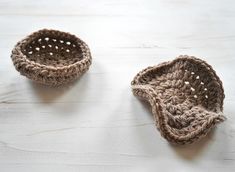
[186, 97]
[51, 57]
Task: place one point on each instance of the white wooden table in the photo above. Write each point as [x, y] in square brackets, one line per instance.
[97, 124]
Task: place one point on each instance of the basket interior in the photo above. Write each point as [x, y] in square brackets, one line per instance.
[186, 85]
[53, 50]
[190, 97]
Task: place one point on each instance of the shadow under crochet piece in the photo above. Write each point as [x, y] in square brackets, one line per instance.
[51, 57]
[186, 97]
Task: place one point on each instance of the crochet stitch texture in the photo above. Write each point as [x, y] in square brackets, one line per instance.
[186, 97]
[51, 57]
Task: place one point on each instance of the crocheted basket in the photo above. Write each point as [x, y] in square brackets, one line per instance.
[51, 57]
[186, 97]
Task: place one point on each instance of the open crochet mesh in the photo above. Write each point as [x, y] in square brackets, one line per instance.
[186, 97]
[51, 57]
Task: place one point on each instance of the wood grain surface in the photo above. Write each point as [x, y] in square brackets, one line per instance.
[96, 124]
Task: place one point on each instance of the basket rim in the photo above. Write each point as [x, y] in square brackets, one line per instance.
[31, 36]
[194, 59]
[157, 108]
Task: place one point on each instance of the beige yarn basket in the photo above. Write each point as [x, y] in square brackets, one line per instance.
[51, 57]
[186, 97]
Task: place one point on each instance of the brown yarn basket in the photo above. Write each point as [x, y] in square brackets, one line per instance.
[186, 97]
[51, 57]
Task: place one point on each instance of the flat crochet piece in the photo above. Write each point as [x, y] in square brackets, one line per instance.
[186, 97]
[51, 57]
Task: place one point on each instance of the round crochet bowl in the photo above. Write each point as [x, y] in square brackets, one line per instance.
[51, 57]
[186, 97]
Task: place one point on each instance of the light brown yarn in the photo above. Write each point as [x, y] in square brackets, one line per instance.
[186, 97]
[51, 57]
